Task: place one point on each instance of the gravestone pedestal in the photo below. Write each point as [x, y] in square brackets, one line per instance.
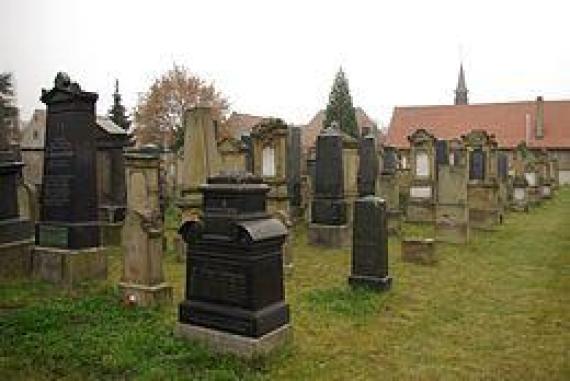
[143, 281]
[484, 211]
[67, 234]
[420, 251]
[370, 245]
[520, 195]
[234, 285]
[16, 233]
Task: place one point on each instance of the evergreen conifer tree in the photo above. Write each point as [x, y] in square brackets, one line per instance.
[340, 108]
[117, 112]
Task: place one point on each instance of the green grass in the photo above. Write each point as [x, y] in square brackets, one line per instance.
[497, 308]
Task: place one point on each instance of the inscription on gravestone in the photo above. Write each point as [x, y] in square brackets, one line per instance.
[477, 165]
[422, 164]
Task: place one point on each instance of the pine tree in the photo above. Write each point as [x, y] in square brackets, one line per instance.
[117, 112]
[340, 108]
[7, 108]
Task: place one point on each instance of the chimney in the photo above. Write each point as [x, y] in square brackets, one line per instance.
[527, 128]
[539, 117]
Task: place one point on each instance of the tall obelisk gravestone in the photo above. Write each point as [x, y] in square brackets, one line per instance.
[67, 234]
[15, 231]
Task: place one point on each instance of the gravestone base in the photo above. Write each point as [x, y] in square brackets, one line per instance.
[421, 251]
[519, 206]
[333, 236]
[546, 191]
[372, 282]
[534, 196]
[420, 211]
[242, 346]
[394, 222]
[451, 223]
[111, 233]
[16, 259]
[485, 219]
[69, 267]
[145, 296]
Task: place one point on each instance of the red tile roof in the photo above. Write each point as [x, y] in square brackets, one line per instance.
[509, 122]
[240, 124]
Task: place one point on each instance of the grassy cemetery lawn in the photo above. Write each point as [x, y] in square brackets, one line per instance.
[498, 308]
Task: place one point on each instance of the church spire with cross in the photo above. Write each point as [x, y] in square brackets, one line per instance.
[461, 90]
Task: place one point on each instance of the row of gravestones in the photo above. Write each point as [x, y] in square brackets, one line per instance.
[457, 185]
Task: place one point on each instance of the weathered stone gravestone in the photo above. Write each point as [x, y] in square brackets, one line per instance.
[503, 181]
[368, 166]
[143, 281]
[452, 213]
[270, 156]
[270, 159]
[234, 287]
[543, 171]
[67, 234]
[519, 196]
[201, 159]
[111, 189]
[554, 168]
[531, 175]
[483, 188]
[350, 176]
[294, 171]
[419, 250]
[309, 183]
[370, 244]
[16, 231]
[233, 154]
[246, 140]
[421, 203]
[329, 221]
[387, 188]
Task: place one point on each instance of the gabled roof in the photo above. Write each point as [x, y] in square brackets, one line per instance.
[511, 123]
[240, 124]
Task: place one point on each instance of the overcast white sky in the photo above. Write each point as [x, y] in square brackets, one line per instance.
[279, 58]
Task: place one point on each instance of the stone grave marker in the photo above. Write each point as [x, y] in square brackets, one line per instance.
[370, 244]
[368, 166]
[387, 188]
[67, 235]
[234, 290]
[143, 281]
[421, 203]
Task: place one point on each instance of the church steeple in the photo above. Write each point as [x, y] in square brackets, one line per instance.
[461, 90]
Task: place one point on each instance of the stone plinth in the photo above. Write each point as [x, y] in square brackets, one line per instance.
[331, 236]
[421, 251]
[452, 223]
[234, 284]
[242, 346]
[69, 267]
[16, 259]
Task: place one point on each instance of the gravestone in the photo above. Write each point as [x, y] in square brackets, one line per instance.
[368, 167]
[519, 197]
[111, 188]
[370, 244]
[419, 250]
[233, 154]
[16, 232]
[67, 235]
[329, 220]
[270, 160]
[234, 285]
[421, 203]
[246, 140]
[143, 281]
[503, 180]
[294, 170]
[387, 188]
[452, 213]
[543, 172]
[350, 176]
[485, 210]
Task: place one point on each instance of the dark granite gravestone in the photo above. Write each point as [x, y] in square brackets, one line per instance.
[441, 152]
[328, 205]
[390, 162]
[370, 244]
[368, 166]
[246, 139]
[15, 231]
[503, 166]
[235, 272]
[68, 201]
[477, 165]
[294, 166]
